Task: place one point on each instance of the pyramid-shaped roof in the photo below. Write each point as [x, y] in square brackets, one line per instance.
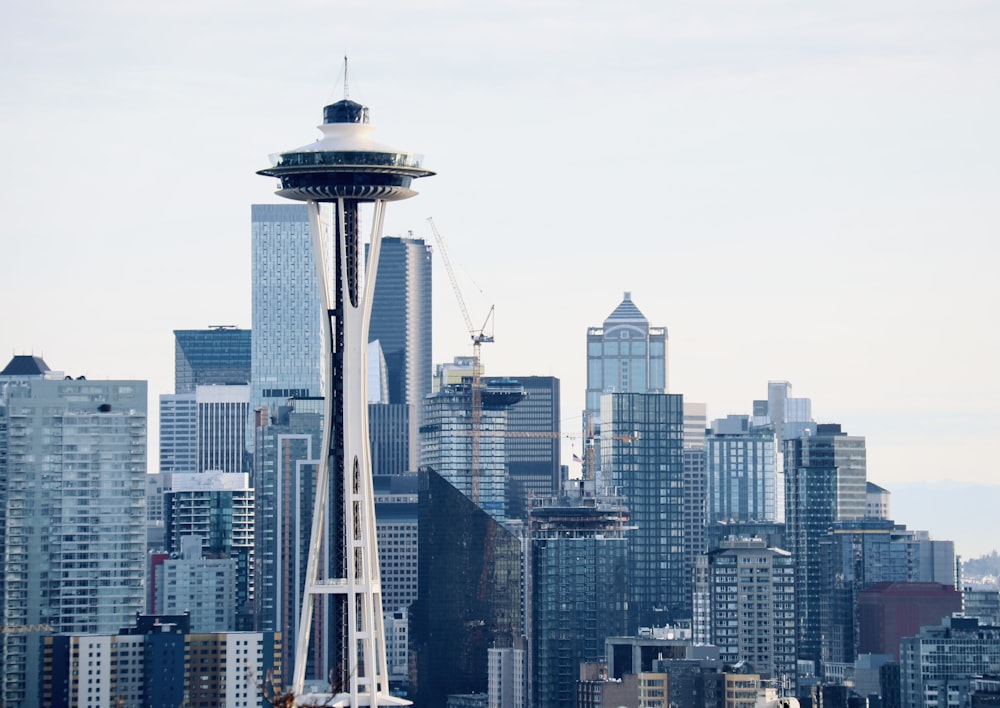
[625, 312]
[25, 365]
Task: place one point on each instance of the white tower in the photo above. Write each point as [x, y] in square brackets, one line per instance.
[334, 176]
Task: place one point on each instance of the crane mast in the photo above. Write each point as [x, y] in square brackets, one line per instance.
[479, 337]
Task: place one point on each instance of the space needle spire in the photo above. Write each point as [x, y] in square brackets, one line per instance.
[340, 175]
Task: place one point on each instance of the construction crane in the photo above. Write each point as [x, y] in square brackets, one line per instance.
[479, 337]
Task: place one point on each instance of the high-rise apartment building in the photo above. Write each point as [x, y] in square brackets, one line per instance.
[741, 474]
[218, 508]
[579, 591]
[744, 604]
[205, 430]
[214, 356]
[825, 482]
[287, 335]
[642, 459]
[401, 322]
[203, 587]
[74, 527]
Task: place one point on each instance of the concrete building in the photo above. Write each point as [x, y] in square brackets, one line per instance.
[160, 663]
[940, 662]
[73, 526]
[508, 678]
[205, 588]
[744, 604]
[889, 611]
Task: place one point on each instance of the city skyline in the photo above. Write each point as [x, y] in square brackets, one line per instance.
[799, 194]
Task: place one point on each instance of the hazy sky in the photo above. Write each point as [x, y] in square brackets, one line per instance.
[797, 191]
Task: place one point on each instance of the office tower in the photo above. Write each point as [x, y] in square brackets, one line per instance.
[740, 471]
[202, 586]
[74, 536]
[159, 661]
[532, 445]
[469, 600]
[474, 461]
[204, 430]
[215, 356]
[578, 591]
[825, 482]
[334, 176]
[984, 604]
[937, 665]
[642, 458]
[790, 417]
[625, 355]
[217, 507]
[744, 604]
[401, 322]
[389, 432]
[286, 453]
[287, 344]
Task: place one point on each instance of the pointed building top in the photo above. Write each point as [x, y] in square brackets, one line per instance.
[626, 311]
[25, 365]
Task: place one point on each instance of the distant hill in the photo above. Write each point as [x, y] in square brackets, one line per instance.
[984, 565]
[951, 511]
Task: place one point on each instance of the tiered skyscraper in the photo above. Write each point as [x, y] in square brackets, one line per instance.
[73, 519]
[334, 176]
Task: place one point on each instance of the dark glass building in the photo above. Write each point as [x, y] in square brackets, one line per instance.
[469, 596]
[642, 458]
[218, 355]
[578, 592]
[532, 445]
[825, 482]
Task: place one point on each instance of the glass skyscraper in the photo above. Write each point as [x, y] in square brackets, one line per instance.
[217, 355]
[740, 471]
[287, 335]
[642, 459]
[825, 482]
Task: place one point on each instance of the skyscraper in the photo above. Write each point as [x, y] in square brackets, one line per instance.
[287, 344]
[531, 449]
[625, 355]
[74, 536]
[744, 604]
[642, 458]
[825, 482]
[335, 175]
[579, 592]
[217, 355]
[740, 471]
[401, 322]
[446, 441]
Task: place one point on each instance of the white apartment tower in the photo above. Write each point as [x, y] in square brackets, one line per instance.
[73, 536]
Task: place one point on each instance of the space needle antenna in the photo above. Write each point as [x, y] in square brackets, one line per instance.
[347, 93]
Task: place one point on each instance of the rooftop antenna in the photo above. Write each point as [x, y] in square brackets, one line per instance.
[347, 94]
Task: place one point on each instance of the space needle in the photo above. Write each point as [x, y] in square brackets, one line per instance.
[335, 176]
